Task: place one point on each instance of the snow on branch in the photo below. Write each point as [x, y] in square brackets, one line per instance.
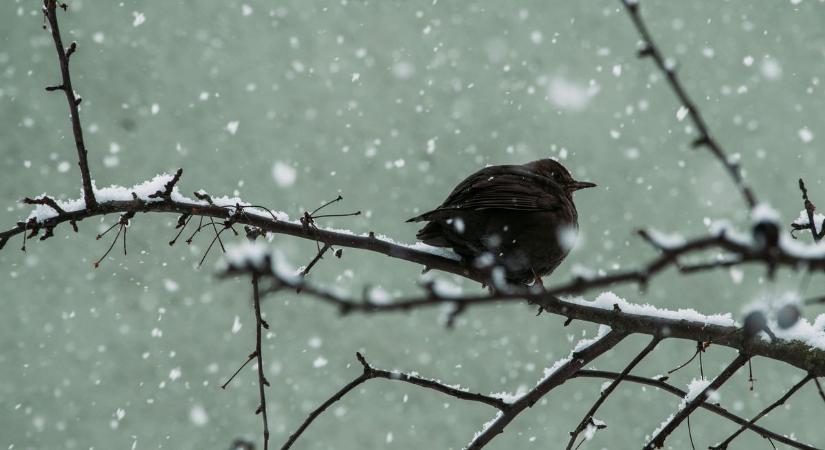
[797, 342]
[793, 345]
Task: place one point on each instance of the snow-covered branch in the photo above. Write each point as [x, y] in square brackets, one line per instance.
[797, 342]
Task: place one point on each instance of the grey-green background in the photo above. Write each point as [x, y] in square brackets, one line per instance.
[349, 93]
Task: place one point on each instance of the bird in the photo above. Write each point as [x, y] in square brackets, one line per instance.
[520, 218]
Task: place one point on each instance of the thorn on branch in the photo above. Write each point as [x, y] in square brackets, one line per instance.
[59, 87]
[72, 48]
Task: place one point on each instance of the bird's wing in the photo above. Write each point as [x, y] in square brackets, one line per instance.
[499, 187]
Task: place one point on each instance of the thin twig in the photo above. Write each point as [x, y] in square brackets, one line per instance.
[318, 256]
[262, 381]
[724, 444]
[50, 10]
[651, 49]
[370, 372]
[819, 389]
[810, 208]
[716, 409]
[588, 417]
[658, 440]
[248, 360]
[681, 366]
[559, 376]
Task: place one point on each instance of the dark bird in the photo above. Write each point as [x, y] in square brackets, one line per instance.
[517, 217]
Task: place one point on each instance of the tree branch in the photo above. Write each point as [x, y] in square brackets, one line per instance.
[651, 50]
[716, 409]
[810, 208]
[555, 378]
[619, 315]
[724, 444]
[370, 372]
[262, 381]
[50, 10]
[588, 417]
[689, 406]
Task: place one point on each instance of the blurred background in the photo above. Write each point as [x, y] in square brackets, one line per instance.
[390, 104]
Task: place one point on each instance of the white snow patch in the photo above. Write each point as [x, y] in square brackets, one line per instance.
[484, 427]
[606, 300]
[666, 240]
[232, 127]
[802, 220]
[764, 213]
[695, 387]
[810, 334]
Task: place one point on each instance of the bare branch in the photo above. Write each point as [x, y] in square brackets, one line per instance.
[810, 208]
[588, 417]
[651, 50]
[724, 444]
[50, 10]
[554, 379]
[262, 381]
[370, 372]
[658, 439]
[716, 409]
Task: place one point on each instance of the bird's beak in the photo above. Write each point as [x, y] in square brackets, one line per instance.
[576, 185]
